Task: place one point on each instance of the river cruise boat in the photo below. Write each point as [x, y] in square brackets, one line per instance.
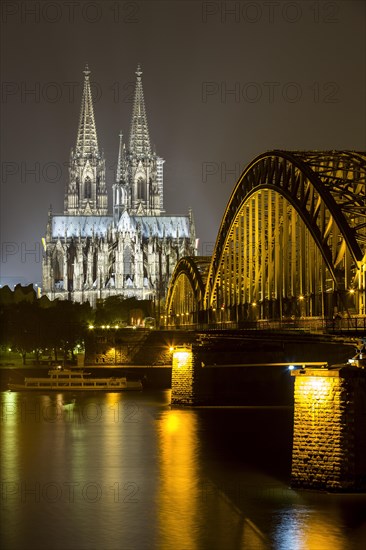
[75, 380]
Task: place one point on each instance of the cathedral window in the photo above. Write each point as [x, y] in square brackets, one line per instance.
[58, 275]
[127, 256]
[141, 194]
[95, 264]
[87, 188]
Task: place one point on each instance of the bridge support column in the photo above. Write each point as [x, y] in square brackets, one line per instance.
[189, 386]
[183, 379]
[329, 440]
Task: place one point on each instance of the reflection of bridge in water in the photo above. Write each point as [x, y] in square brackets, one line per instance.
[291, 247]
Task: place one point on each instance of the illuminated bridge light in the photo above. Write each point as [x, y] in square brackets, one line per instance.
[182, 358]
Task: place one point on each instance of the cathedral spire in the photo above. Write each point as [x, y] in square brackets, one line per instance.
[139, 137]
[86, 192]
[87, 142]
[121, 164]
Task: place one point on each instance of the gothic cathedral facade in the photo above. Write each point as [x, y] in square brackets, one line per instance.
[91, 254]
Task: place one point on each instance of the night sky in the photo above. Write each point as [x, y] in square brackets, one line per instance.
[223, 82]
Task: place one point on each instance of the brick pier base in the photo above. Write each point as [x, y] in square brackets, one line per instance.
[329, 439]
[183, 379]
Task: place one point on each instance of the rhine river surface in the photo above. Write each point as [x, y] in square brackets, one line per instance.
[126, 471]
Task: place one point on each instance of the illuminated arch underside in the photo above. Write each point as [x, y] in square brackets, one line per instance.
[291, 199]
[293, 238]
[187, 286]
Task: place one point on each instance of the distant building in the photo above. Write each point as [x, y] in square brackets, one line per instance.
[91, 254]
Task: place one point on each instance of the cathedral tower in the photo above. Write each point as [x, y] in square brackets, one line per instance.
[86, 193]
[139, 180]
[91, 255]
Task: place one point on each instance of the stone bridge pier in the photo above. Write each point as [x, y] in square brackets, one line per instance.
[329, 438]
[329, 434]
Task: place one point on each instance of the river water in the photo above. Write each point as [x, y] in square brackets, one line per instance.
[126, 471]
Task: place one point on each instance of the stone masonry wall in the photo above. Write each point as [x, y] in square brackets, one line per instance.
[183, 376]
[329, 440]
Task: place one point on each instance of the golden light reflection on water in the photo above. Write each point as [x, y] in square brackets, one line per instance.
[10, 415]
[179, 491]
[172, 423]
[192, 512]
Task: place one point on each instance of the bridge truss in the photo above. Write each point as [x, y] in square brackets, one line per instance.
[186, 291]
[292, 241]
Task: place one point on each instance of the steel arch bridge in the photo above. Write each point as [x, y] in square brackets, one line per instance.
[187, 290]
[292, 243]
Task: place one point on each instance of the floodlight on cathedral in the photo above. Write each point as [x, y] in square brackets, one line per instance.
[91, 254]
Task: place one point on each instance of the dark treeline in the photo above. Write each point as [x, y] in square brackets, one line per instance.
[36, 325]
[55, 328]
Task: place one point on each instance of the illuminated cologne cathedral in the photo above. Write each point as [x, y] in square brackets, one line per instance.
[91, 254]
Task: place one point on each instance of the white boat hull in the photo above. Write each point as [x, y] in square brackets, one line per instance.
[63, 380]
[131, 386]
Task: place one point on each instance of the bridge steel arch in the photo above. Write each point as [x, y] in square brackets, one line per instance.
[292, 240]
[184, 302]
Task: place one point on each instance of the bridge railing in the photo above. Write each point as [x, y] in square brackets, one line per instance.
[347, 324]
[310, 324]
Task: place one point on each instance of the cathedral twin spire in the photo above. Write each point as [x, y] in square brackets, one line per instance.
[87, 141]
[139, 177]
[86, 193]
[139, 136]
